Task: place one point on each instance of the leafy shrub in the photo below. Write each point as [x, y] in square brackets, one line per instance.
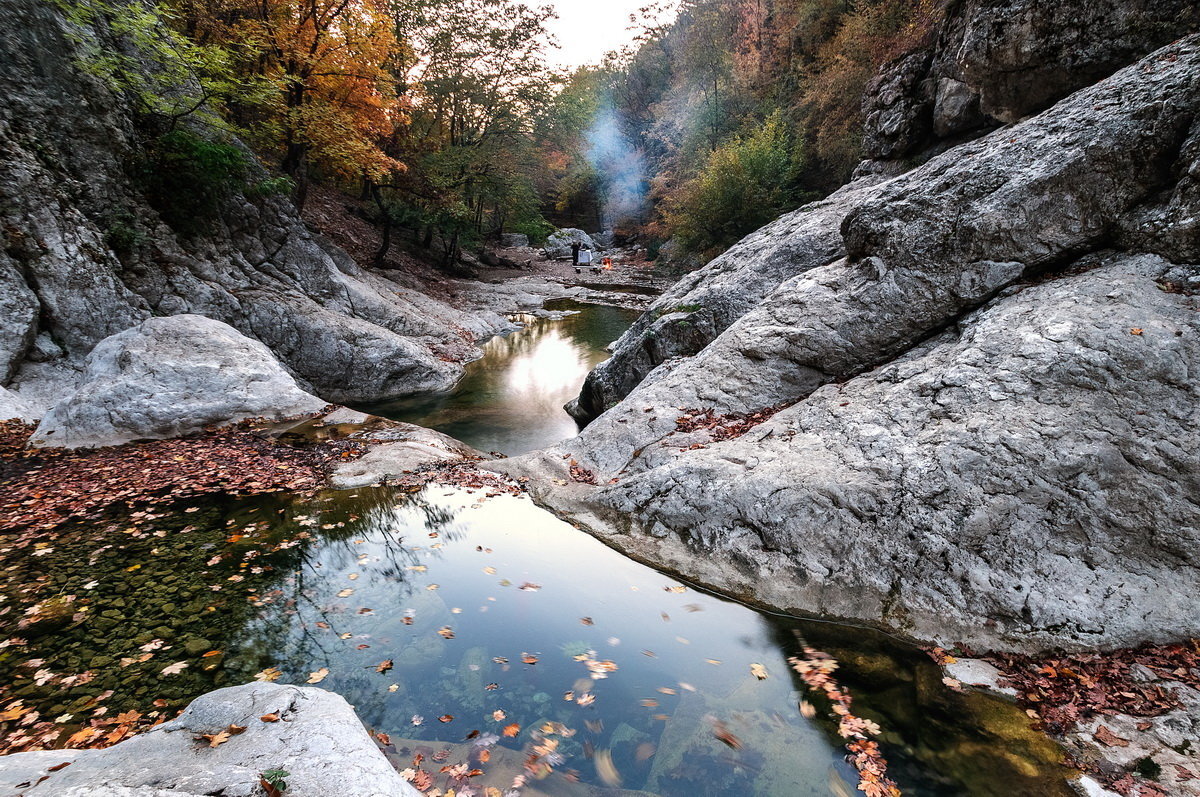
[186, 176]
[744, 184]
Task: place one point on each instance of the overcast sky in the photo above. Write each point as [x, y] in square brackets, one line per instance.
[587, 29]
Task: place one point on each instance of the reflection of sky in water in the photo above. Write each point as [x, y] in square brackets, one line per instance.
[511, 400]
[683, 661]
[682, 656]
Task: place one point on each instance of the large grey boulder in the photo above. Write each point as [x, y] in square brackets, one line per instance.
[169, 377]
[1006, 484]
[699, 307]
[318, 740]
[558, 245]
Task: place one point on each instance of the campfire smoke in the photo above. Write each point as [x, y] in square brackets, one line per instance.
[622, 168]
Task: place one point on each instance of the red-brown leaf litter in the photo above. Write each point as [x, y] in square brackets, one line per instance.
[40, 489]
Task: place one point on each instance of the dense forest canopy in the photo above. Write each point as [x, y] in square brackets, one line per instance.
[446, 115]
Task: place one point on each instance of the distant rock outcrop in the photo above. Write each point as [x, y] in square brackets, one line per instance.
[558, 245]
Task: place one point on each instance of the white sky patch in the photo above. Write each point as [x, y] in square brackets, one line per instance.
[587, 29]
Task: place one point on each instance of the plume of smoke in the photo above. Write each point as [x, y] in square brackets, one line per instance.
[621, 166]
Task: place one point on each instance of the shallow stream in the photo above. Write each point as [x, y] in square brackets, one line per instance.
[479, 629]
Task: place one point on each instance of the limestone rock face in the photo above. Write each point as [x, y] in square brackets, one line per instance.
[698, 308]
[84, 255]
[319, 740]
[990, 413]
[997, 61]
[168, 377]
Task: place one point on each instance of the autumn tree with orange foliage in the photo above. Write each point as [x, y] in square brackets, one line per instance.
[327, 100]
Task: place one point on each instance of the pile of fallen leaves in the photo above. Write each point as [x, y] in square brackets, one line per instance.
[465, 474]
[723, 427]
[816, 669]
[1067, 689]
[41, 489]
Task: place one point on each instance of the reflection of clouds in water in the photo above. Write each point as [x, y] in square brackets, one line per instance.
[555, 366]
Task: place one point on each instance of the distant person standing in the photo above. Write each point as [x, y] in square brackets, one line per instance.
[575, 247]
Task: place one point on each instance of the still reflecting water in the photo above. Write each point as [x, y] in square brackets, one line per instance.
[511, 400]
[446, 618]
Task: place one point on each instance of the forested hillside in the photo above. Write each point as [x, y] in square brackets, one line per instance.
[446, 116]
[732, 113]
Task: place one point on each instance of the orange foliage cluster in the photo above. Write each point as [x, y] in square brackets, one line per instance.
[816, 670]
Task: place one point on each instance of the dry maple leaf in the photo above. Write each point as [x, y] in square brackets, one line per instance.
[174, 669]
[383, 666]
[269, 674]
[1105, 736]
[318, 676]
[512, 730]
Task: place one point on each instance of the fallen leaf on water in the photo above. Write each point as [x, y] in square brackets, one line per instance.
[174, 669]
[676, 588]
[491, 571]
[432, 586]
[446, 718]
[529, 586]
[269, 674]
[758, 671]
[586, 699]
[586, 621]
[383, 666]
[644, 751]
[529, 658]
[446, 632]
[725, 735]
[511, 730]
[393, 687]
[498, 715]
[345, 593]
[606, 770]
[318, 676]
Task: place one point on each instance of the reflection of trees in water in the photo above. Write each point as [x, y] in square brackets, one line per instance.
[287, 630]
[937, 741]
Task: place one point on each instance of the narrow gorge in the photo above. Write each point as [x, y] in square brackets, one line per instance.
[898, 494]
